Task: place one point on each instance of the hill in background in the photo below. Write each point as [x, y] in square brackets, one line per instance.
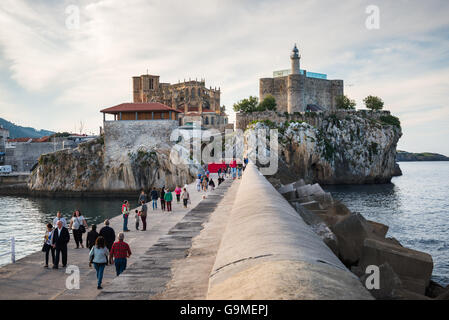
[423, 156]
[16, 131]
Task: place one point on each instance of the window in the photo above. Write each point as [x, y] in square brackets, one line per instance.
[212, 120]
[151, 84]
[206, 120]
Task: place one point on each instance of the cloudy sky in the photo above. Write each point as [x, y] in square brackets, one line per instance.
[55, 73]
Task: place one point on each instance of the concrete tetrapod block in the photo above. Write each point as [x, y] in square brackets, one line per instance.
[311, 205]
[286, 188]
[414, 268]
[299, 183]
[379, 229]
[389, 282]
[351, 233]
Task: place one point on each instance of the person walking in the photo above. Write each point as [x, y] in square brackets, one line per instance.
[143, 215]
[212, 184]
[137, 217]
[178, 191]
[198, 184]
[78, 225]
[99, 255]
[168, 197]
[119, 253]
[239, 171]
[108, 234]
[234, 168]
[59, 242]
[154, 197]
[47, 247]
[162, 198]
[142, 197]
[205, 184]
[185, 197]
[60, 217]
[125, 213]
[92, 236]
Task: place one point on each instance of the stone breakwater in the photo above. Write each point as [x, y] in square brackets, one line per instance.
[359, 243]
[338, 148]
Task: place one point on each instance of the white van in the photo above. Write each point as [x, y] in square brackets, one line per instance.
[5, 169]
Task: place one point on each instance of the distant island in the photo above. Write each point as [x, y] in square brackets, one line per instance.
[402, 156]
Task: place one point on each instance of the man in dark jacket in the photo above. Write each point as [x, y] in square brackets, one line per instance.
[108, 234]
[92, 236]
[154, 197]
[60, 239]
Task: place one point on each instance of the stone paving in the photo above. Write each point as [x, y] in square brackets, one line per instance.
[168, 236]
[150, 275]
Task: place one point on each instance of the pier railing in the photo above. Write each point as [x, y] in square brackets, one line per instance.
[13, 249]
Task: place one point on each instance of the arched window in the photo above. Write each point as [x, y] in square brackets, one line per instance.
[193, 92]
[199, 92]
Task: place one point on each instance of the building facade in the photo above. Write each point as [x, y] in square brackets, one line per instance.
[196, 102]
[4, 135]
[297, 90]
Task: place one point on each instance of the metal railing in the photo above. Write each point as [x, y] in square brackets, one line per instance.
[13, 249]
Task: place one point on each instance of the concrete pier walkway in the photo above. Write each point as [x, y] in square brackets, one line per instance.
[168, 235]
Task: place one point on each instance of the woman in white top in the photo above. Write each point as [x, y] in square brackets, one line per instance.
[78, 225]
[185, 197]
[99, 257]
[47, 247]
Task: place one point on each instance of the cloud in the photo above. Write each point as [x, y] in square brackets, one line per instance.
[69, 75]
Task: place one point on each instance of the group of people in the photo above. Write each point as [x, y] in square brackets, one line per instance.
[166, 198]
[204, 182]
[103, 246]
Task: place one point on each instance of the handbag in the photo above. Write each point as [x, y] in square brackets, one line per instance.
[45, 247]
[81, 228]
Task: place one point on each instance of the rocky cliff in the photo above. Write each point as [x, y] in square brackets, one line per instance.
[85, 169]
[352, 148]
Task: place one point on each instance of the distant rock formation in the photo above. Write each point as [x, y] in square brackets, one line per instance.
[403, 156]
[340, 149]
[84, 169]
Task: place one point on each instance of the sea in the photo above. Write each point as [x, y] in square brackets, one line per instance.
[415, 206]
[25, 219]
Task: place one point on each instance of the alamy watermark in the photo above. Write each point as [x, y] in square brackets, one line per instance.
[73, 280]
[196, 146]
[372, 22]
[72, 21]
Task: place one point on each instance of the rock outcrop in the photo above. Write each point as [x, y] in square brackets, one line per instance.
[341, 149]
[86, 169]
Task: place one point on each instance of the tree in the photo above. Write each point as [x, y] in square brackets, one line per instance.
[373, 103]
[268, 103]
[246, 105]
[343, 102]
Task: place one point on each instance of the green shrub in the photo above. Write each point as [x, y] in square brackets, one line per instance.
[344, 103]
[391, 120]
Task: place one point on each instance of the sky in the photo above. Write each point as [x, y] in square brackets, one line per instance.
[61, 62]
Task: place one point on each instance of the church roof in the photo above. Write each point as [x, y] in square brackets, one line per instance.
[139, 107]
